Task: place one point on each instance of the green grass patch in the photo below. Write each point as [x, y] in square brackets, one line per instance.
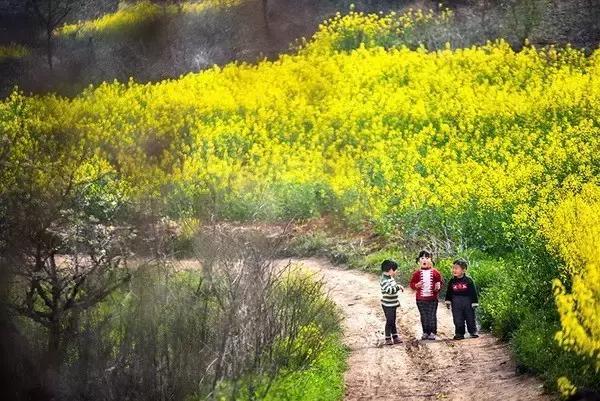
[536, 351]
[131, 18]
[13, 51]
[322, 381]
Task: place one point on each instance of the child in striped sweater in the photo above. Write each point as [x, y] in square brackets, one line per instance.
[389, 300]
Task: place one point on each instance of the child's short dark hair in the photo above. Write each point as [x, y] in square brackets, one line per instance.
[462, 263]
[425, 253]
[388, 265]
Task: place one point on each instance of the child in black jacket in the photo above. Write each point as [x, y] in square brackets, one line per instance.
[462, 297]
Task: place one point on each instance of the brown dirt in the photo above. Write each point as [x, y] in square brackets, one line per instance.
[472, 369]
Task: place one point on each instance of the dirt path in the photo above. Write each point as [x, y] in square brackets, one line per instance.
[473, 369]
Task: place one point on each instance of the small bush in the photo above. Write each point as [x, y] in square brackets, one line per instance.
[537, 351]
[310, 244]
[12, 52]
[229, 324]
[322, 381]
[356, 29]
[126, 21]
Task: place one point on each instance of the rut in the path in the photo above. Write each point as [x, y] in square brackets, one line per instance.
[474, 369]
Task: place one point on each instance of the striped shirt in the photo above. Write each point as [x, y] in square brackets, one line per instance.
[389, 291]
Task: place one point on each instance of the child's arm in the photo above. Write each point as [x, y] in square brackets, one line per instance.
[390, 287]
[398, 286]
[449, 293]
[473, 293]
[438, 280]
[415, 281]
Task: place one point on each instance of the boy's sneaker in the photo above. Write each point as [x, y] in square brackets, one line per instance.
[388, 341]
[431, 336]
[397, 340]
[457, 337]
[474, 336]
[425, 336]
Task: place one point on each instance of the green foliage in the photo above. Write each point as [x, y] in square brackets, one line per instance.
[501, 307]
[519, 286]
[322, 381]
[12, 51]
[356, 29]
[372, 262]
[535, 350]
[573, 232]
[485, 270]
[135, 18]
[167, 326]
[280, 200]
[471, 148]
[524, 16]
[311, 244]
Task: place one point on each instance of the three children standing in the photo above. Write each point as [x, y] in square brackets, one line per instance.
[461, 297]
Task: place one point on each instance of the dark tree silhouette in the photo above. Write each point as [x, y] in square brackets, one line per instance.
[50, 14]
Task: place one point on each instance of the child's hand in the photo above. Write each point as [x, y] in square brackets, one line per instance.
[438, 285]
[419, 284]
[401, 288]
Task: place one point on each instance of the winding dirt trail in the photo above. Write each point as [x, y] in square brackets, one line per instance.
[473, 369]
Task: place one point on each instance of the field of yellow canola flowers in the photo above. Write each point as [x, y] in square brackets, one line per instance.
[490, 148]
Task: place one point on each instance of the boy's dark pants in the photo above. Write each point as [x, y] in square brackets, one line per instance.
[390, 321]
[428, 312]
[462, 312]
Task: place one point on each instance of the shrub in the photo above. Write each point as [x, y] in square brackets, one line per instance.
[574, 233]
[12, 51]
[536, 350]
[133, 18]
[228, 324]
[465, 148]
[349, 32]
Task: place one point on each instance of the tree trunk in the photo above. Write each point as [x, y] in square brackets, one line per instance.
[265, 13]
[49, 47]
[52, 365]
[54, 345]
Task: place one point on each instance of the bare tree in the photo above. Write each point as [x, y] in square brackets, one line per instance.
[265, 15]
[62, 247]
[524, 16]
[483, 8]
[270, 318]
[61, 263]
[51, 13]
[226, 326]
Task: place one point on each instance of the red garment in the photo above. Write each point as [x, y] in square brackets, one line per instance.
[429, 278]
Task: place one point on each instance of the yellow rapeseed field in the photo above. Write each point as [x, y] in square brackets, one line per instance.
[487, 146]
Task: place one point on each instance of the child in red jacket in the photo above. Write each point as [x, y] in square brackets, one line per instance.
[427, 282]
